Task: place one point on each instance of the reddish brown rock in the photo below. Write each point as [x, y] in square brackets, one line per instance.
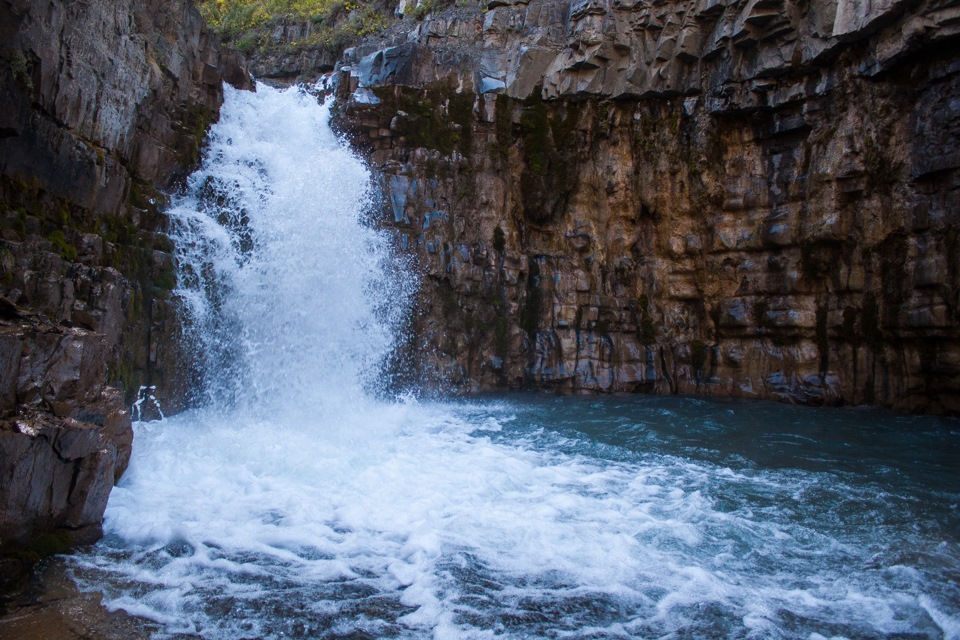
[739, 199]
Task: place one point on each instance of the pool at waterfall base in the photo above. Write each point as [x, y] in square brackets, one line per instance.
[540, 517]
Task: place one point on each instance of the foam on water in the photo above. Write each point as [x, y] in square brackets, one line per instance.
[294, 504]
[460, 521]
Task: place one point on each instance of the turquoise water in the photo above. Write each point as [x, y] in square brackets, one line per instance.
[542, 517]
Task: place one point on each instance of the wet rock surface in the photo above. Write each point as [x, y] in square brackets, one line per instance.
[743, 199]
[102, 106]
[51, 608]
[65, 436]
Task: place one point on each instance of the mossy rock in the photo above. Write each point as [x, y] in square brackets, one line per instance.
[434, 117]
[67, 251]
[51, 543]
[549, 142]
[647, 330]
[530, 309]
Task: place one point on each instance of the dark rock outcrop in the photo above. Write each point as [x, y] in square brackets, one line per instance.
[102, 106]
[65, 436]
[736, 198]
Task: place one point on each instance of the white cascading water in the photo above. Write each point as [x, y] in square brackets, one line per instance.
[292, 295]
[292, 503]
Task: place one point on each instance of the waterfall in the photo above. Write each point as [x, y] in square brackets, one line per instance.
[292, 298]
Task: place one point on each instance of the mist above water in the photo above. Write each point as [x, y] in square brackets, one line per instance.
[295, 501]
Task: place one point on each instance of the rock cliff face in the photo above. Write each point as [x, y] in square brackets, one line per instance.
[66, 438]
[746, 198]
[101, 105]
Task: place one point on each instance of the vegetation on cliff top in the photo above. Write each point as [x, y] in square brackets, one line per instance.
[248, 25]
[230, 17]
[332, 24]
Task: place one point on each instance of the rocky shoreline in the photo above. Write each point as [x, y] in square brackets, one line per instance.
[50, 607]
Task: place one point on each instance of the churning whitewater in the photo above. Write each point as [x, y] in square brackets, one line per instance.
[296, 502]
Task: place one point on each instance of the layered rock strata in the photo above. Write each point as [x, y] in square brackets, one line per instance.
[747, 198]
[102, 106]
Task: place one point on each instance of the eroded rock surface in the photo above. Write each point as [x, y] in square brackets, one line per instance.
[745, 198]
[65, 436]
[102, 106]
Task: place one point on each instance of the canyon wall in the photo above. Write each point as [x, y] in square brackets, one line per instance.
[748, 198]
[102, 105]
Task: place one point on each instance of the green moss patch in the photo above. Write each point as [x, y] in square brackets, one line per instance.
[549, 143]
[435, 117]
[645, 327]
